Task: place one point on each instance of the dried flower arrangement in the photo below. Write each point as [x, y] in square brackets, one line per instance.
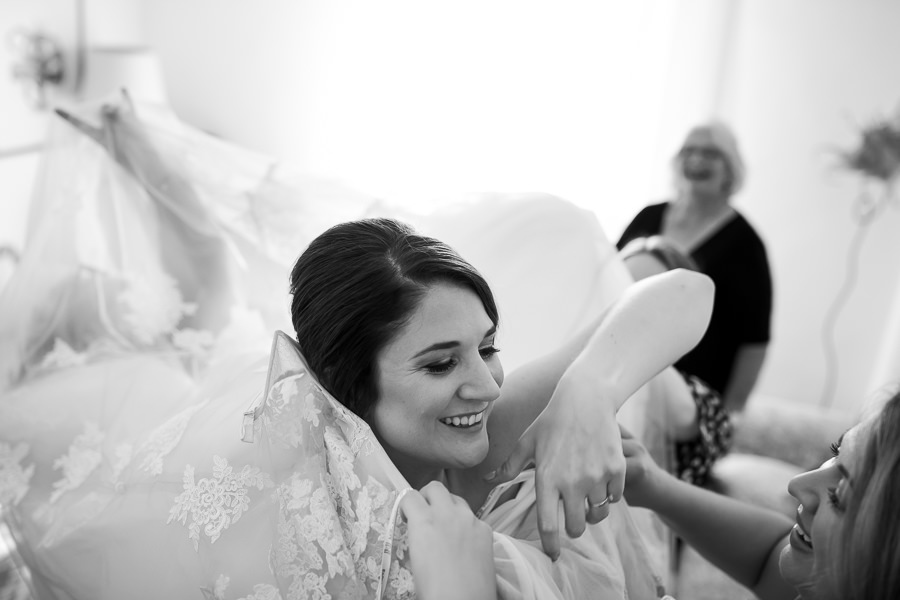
[878, 153]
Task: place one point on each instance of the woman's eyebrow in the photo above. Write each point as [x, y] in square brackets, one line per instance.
[451, 344]
[437, 346]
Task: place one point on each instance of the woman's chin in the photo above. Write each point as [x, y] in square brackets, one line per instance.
[796, 569]
[473, 455]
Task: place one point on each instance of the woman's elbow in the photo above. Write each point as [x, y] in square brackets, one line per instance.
[696, 293]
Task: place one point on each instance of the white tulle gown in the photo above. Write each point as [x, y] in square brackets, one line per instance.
[156, 443]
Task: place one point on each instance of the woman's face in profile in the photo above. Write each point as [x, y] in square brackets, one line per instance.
[823, 495]
[437, 381]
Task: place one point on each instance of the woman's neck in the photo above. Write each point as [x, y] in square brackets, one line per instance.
[696, 205]
[417, 474]
[690, 220]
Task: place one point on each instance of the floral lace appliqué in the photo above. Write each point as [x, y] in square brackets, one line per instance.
[153, 306]
[79, 462]
[289, 412]
[164, 438]
[62, 356]
[14, 479]
[217, 502]
[261, 591]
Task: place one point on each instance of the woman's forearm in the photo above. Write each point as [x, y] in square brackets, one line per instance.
[656, 321]
[740, 539]
[650, 326]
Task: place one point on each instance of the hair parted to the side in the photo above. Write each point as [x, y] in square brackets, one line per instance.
[355, 286]
[866, 563]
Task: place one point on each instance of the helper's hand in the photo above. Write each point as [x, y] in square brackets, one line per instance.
[643, 473]
[575, 446]
[451, 551]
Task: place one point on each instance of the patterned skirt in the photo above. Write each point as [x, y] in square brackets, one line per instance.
[694, 458]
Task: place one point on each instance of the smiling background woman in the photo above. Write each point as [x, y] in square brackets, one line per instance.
[700, 220]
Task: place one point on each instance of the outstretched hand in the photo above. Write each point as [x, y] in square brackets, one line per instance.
[577, 452]
[642, 472]
[451, 551]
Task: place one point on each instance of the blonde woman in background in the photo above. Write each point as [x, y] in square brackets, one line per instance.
[702, 222]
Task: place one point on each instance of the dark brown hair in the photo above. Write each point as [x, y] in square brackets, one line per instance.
[355, 286]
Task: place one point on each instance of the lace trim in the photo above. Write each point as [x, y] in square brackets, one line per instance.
[261, 591]
[218, 502]
[164, 438]
[83, 457]
[14, 480]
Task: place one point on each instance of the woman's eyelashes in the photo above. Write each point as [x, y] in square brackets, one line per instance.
[445, 366]
[441, 367]
[836, 495]
[488, 351]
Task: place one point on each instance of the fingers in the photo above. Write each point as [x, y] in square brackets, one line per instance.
[438, 496]
[548, 517]
[597, 510]
[414, 506]
[575, 515]
[616, 485]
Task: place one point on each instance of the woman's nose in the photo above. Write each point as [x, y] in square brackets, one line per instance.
[805, 487]
[483, 381]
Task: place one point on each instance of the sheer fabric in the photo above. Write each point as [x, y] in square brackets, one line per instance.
[153, 444]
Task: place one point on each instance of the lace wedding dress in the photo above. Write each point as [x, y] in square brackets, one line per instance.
[156, 443]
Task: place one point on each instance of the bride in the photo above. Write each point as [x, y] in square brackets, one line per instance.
[131, 351]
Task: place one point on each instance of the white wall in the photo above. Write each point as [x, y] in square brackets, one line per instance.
[806, 75]
[586, 100]
[419, 100]
[22, 125]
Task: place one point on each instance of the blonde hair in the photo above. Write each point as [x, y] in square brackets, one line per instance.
[866, 561]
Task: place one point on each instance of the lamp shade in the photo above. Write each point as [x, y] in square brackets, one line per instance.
[137, 69]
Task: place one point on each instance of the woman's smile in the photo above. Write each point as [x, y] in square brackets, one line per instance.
[800, 540]
[438, 379]
[465, 421]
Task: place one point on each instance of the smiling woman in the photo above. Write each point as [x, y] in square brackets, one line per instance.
[136, 398]
[435, 401]
[401, 330]
[844, 541]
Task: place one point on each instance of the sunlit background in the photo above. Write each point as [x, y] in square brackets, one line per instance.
[422, 102]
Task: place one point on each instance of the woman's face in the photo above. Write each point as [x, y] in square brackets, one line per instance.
[703, 165]
[823, 496]
[437, 380]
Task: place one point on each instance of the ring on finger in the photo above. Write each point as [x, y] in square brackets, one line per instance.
[600, 504]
